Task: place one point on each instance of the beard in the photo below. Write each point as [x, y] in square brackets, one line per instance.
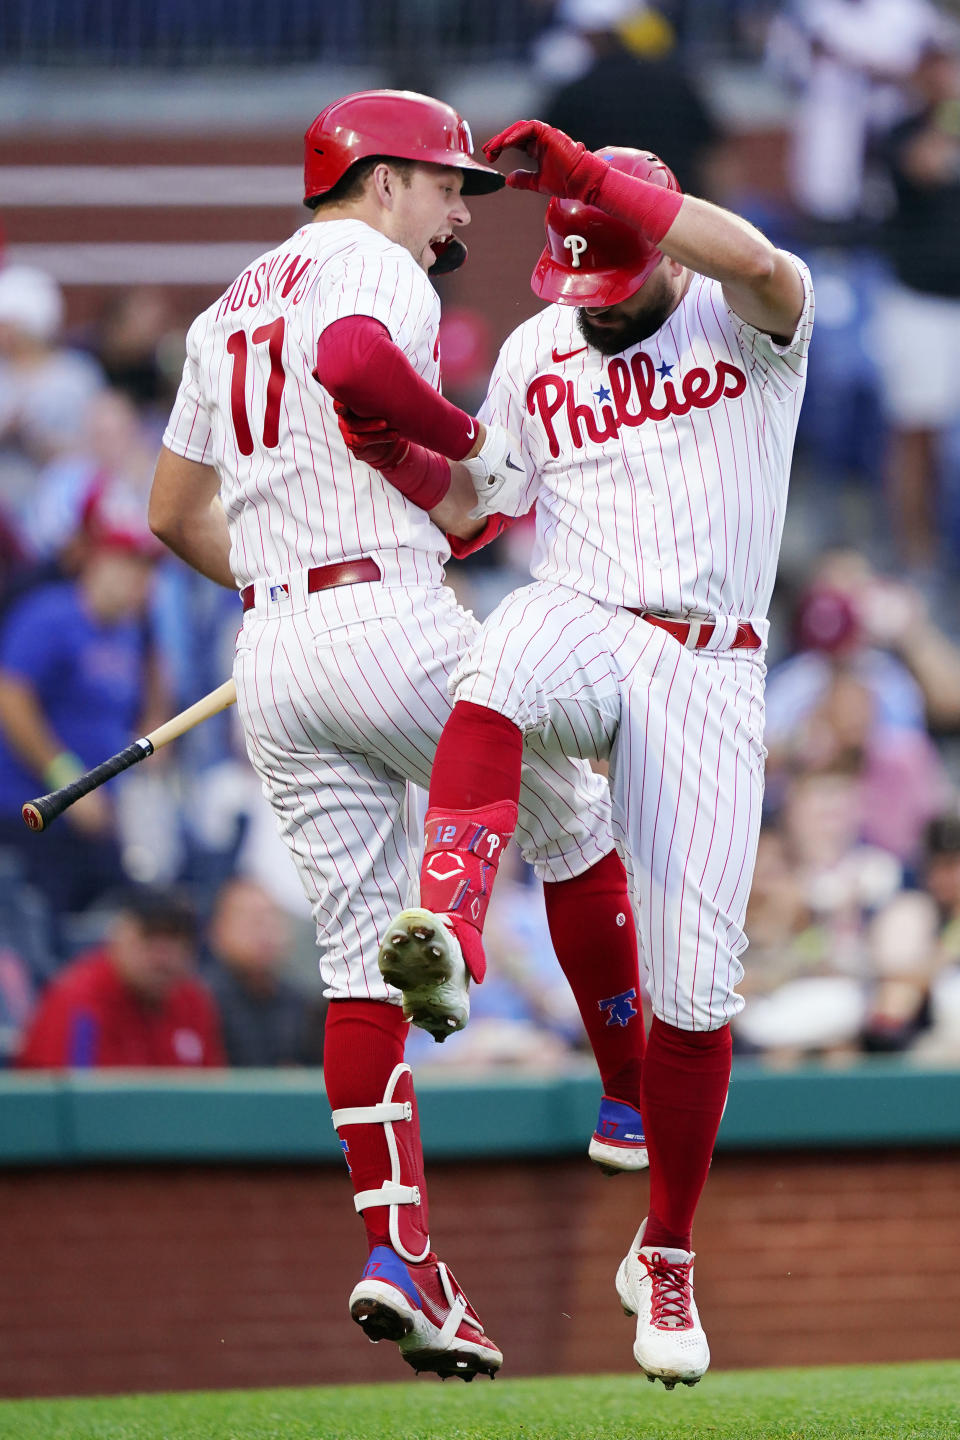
[628, 330]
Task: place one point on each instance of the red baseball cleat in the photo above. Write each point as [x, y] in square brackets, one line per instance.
[422, 1309]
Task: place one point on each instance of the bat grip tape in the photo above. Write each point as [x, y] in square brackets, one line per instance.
[54, 804]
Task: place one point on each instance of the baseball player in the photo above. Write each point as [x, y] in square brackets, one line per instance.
[349, 641]
[656, 401]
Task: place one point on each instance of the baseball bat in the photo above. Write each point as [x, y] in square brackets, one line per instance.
[38, 814]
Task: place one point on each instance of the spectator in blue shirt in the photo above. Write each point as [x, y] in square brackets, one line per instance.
[73, 679]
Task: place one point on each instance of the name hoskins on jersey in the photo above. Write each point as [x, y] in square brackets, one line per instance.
[293, 494]
[660, 474]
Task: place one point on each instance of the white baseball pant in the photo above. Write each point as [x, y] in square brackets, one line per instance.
[343, 695]
[683, 731]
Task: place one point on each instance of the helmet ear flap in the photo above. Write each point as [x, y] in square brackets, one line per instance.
[450, 256]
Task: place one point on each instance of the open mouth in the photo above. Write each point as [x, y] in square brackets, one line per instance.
[438, 242]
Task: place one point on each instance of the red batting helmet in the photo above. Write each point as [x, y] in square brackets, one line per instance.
[590, 258]
[397, 123]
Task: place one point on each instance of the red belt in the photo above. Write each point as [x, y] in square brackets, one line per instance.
[322, 577]
[746, 637]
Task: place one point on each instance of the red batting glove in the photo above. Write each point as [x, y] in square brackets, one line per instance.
[419, 474]
[565, 167]
[370, 439]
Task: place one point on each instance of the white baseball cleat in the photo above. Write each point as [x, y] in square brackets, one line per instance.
[618, 1145]
[422, 958]
[656, 1285]
[423, 1309]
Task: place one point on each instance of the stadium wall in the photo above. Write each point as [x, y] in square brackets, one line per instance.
[186, 211]
[137, 1257]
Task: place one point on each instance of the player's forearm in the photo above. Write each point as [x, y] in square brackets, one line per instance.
[201, 539]
[186, 514]
[359, 365]
[695, 233]
[452, 514]
[760, 283]
[717, 243]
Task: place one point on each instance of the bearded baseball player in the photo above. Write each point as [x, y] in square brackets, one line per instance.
[656, 402]
[347, 650]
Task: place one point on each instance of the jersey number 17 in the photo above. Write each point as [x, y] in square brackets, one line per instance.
[272, 336]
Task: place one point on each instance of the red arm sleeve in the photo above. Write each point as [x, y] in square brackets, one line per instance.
[648, 208]
[359, 365]
[421, 475]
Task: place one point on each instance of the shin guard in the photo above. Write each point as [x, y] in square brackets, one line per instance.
[403, 1193]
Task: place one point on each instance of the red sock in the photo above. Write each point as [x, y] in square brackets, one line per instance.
[363, 1045]
[591, 925]
[477, 761]
[686, 1074]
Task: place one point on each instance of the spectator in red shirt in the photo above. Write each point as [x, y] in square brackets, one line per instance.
[132, 1002]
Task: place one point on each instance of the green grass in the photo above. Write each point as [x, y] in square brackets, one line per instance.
[882, 1402]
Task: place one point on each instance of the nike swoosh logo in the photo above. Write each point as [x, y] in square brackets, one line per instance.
[568, 355]
[511, 466]
[472, 431]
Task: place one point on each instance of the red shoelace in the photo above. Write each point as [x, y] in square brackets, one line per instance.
[670, 1301]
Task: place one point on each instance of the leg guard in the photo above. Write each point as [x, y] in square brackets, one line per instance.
[403, 1194]
[461, 853]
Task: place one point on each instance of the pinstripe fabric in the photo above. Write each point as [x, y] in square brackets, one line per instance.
[683, 731]
[343, 696]
[300, 498]
[660, 479]
[661, 474]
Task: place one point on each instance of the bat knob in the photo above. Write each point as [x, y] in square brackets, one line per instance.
[32, 817]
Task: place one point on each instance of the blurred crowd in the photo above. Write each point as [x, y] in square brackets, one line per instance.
[160, 920]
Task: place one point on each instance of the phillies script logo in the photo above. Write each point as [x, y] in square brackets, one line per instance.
[631, 398]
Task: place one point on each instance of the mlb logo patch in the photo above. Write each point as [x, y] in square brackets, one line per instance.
[279, 592]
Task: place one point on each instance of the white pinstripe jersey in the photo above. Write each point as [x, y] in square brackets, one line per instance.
[660, 474]
[293, 494]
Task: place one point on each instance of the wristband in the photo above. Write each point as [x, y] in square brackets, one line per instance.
[420, 475]
[62, 769]
[649, 208]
